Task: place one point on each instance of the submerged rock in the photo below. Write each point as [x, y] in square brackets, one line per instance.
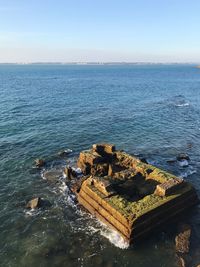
[39, 163]
[183, 156]
[171, 161]
[70, 173]
[34, 203]
[76, 186]
[53, 176]
[64, 153]
[183, 260]
[180, 261]
[183, 239]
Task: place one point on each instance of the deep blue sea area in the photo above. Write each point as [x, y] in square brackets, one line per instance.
[149, 110]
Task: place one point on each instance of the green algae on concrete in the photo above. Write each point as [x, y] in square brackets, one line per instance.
[140, 196]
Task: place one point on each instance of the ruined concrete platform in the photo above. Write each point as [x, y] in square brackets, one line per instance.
[130, 196]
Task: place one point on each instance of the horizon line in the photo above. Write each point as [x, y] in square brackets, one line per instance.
[95, 62]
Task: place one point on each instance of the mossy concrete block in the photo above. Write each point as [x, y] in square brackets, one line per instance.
[135, 198]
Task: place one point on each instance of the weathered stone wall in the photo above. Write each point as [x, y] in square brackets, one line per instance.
[131, 196]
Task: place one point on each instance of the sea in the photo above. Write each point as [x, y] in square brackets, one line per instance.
[151, 110]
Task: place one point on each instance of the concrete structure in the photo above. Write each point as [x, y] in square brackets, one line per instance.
[130, 196]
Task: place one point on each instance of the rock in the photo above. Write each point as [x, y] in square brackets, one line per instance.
[70, 173]
[76, 186]
[183, 156]
[183, 260]
[52, 176]
[64, 153]
[39, 163]
[182, 240]
[180, 261]
[34, 203]
[85, 168]
[189, 145]
[171, 161]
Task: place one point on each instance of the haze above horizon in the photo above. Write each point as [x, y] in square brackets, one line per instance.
[99, 31]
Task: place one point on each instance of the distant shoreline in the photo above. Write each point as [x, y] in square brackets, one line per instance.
[99, 63]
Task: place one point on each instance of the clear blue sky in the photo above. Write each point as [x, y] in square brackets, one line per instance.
[100, 30]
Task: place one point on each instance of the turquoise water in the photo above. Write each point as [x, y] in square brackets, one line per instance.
[150, 110]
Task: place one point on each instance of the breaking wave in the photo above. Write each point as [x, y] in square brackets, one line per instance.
[182, 104]
[115, 238]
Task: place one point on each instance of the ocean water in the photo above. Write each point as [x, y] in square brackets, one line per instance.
[149, 110]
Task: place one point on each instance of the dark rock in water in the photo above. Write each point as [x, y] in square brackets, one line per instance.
[39, 163]
[183, 260]
[183, 239]
[183, 156]
[70, 173]
[53, 176]
[76, 186]
[171, 161]
[85, 168]
[180, 261]
[64, 153]
[34, 203]
[189, 145]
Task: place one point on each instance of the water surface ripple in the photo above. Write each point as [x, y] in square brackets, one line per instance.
[151, 110]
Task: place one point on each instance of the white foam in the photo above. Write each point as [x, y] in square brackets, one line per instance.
[32, 212]
[68, 196]
[114, 237]
[64, 188]
[77, 170]
[183, 163]
[42, 175]
[68, 150]
[183, 104]
[188, 173]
